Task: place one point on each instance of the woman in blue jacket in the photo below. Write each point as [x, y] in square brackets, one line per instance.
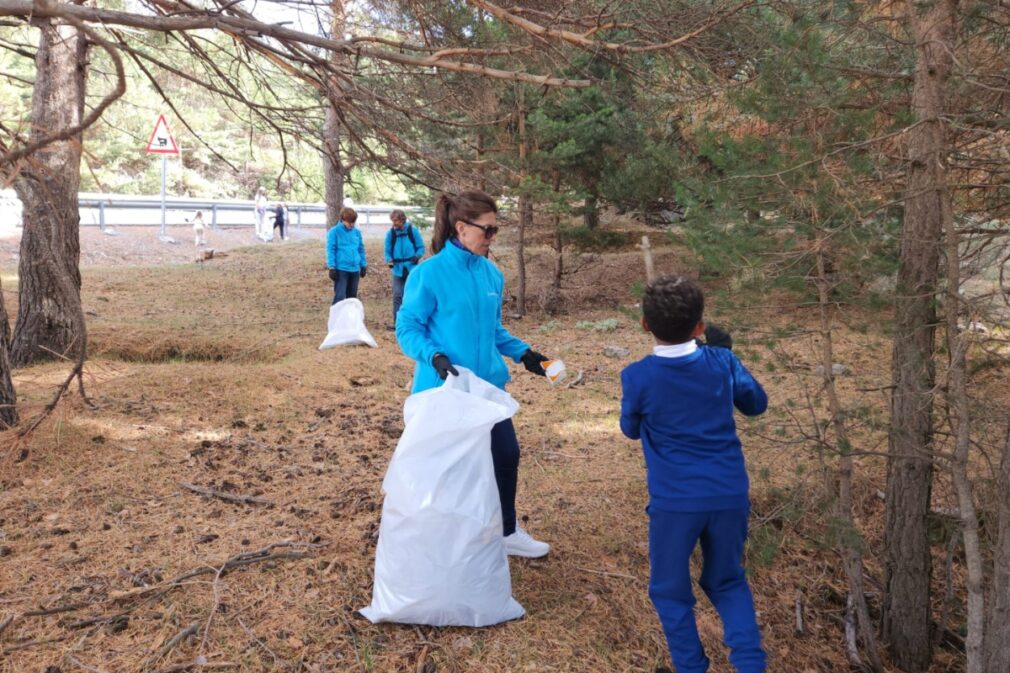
[451, 314]
[345, 256]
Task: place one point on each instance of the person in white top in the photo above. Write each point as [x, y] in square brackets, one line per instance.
[262, 231]
[198, 229]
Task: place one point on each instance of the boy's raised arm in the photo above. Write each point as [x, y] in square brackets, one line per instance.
[748, 395]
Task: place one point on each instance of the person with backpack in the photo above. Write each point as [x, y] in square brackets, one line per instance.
[404, 249]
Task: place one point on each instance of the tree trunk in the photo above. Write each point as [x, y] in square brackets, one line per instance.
[996, 645]
[8, 399]
[525, 222]
[481, 168]
[333, 169]
[49, 320]
[591, 212]
[333, 166]
[960, 421]
[559, 261]
[552, 297]
[559, 258]
[907, 613]
[525, 208]
[850, 541]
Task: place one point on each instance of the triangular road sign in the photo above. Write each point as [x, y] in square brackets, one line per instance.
[161, 141]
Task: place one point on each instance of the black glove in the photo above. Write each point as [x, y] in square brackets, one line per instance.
[363, 270]
[532, 361]
[443, 366]
[333, 275]
[718, 337]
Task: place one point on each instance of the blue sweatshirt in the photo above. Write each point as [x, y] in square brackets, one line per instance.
[402, 246]
[345, 249]
[452, 305]
[682, 410]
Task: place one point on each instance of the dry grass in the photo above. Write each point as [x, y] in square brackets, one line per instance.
[209, 374]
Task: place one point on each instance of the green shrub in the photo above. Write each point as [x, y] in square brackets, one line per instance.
[605, 325]
[584, 238]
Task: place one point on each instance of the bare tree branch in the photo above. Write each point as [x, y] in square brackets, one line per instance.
[112, 96]
[585, 40]
[243, 28]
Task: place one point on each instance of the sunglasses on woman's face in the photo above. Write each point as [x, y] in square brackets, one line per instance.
[489, 229]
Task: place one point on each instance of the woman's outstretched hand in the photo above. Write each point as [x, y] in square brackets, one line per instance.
[533, 362]
[443, 366]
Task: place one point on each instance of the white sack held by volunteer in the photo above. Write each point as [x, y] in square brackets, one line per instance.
[451, 315]
[440, 559]
[346, 326]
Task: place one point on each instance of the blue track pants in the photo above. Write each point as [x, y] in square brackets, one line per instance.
[672, 538]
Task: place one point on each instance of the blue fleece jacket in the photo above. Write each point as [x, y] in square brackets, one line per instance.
[452, 305]
[682, 409]
[402, 246]
[345, 249]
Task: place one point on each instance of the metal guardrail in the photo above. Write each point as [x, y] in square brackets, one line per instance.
[116, 210]
[222, 213]
[100, 211]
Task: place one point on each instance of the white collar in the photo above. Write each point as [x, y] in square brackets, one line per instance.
[675, 350]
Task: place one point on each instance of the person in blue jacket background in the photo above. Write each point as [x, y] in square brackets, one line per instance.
[345, 256]
[404, 249]
[451, 314]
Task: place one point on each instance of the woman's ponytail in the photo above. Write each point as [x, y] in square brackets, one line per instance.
[443, 222]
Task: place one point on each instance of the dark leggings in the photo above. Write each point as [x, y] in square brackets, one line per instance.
[346, 285]
[505, 455]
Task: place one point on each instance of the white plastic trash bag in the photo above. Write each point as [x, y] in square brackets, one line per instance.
[346, 326]
[440, 559]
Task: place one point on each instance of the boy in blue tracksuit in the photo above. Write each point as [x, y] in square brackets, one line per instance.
[404, 249]
[679, 401]
[345, 256]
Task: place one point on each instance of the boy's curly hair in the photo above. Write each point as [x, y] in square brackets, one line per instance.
[673, 306]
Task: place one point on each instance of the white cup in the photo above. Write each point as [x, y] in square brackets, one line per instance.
[555, 370]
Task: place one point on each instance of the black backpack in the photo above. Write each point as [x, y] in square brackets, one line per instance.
[410, 229]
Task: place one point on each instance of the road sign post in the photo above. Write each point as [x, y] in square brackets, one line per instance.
[161, 142]
[164, 161]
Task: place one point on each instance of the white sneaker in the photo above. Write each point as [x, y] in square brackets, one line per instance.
[520, 543]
